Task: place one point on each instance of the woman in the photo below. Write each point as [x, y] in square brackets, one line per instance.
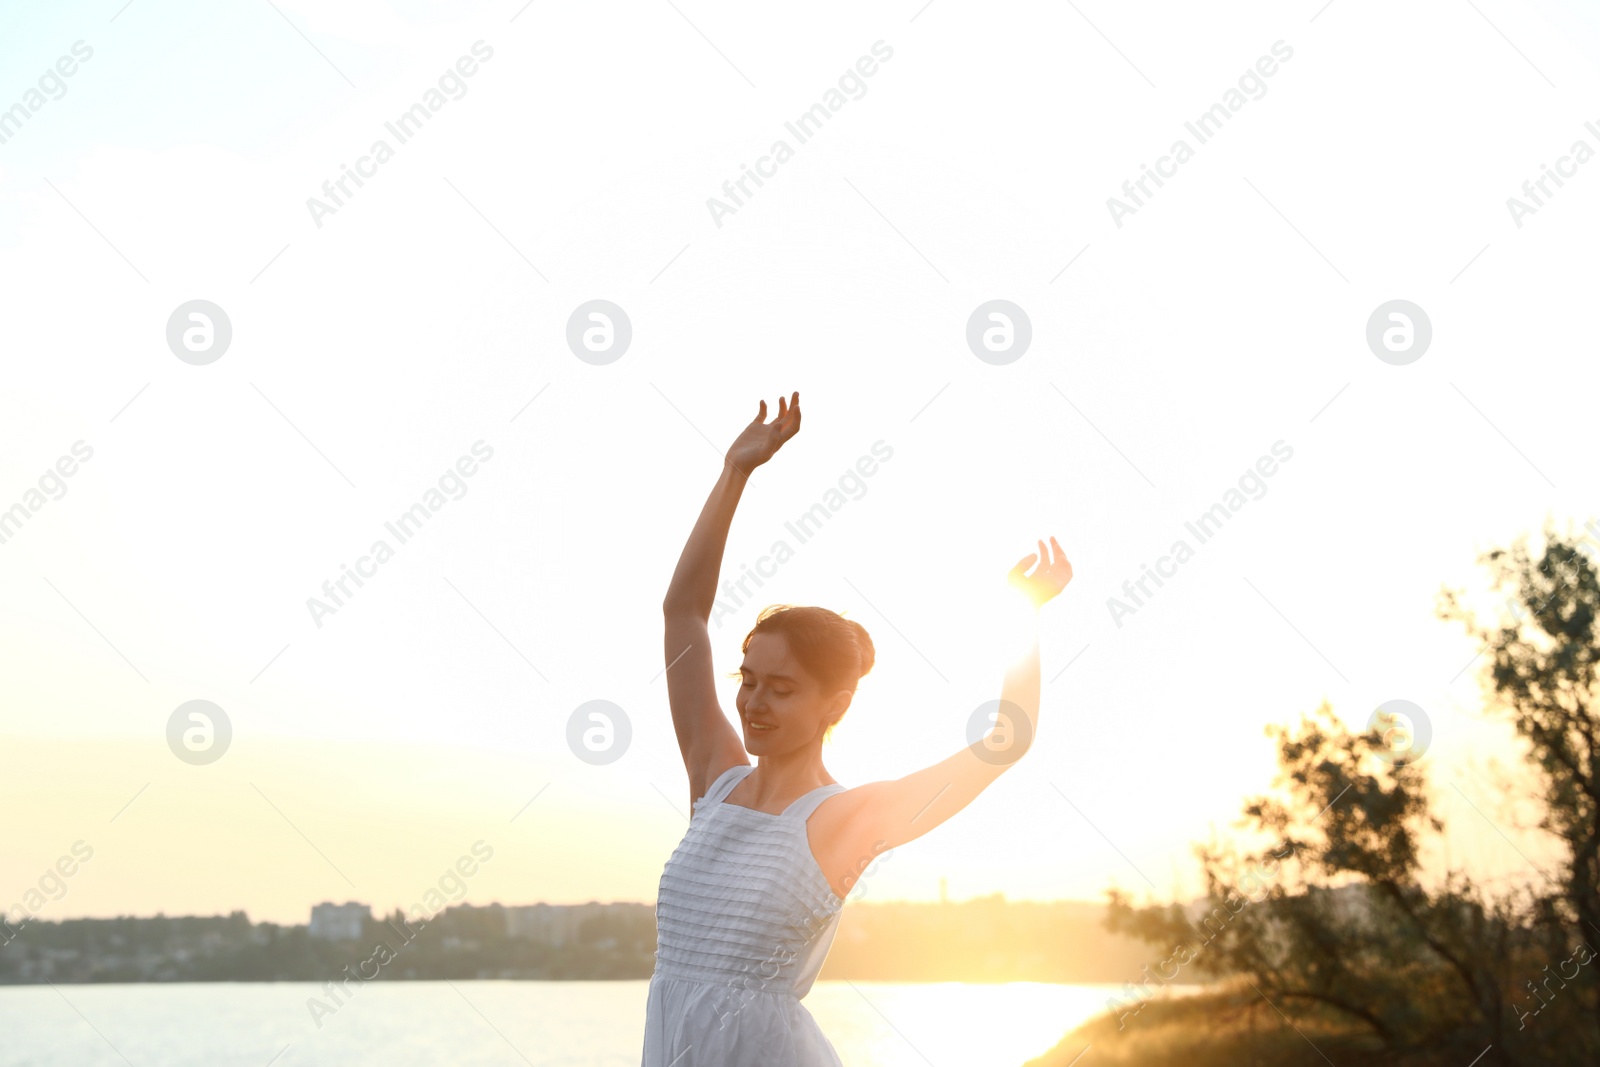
[749, 901]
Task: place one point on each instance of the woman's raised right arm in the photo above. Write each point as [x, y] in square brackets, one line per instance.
[706, 739]
[694, 584]
[708, 743]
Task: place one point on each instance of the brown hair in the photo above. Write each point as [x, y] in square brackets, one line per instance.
[831, 648]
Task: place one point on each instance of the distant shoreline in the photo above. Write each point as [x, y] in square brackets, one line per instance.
[984, 941]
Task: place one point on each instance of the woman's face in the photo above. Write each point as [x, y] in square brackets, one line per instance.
[780, 706]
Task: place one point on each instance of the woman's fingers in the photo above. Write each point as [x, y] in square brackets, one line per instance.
[1051, 575]
[787, 422]
[788, 407]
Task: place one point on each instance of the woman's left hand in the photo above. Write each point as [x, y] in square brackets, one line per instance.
[1048, 579]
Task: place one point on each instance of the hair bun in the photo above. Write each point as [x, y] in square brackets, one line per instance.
[864, 646]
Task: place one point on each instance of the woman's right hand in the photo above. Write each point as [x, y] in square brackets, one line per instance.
[761, 440]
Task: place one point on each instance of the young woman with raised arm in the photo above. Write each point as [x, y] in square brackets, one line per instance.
[749, 901]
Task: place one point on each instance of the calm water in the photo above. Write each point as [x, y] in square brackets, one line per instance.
[503, 1024]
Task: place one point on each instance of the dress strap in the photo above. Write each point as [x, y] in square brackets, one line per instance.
[719, 789]
[802, 808]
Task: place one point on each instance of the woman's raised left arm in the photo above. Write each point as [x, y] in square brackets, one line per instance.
[888, 814]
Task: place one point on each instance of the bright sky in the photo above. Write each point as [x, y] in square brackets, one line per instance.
[429, 313]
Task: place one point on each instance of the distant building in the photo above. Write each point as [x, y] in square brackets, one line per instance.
[339, 922]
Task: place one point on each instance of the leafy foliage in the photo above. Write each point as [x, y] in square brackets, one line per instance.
[1332, 920]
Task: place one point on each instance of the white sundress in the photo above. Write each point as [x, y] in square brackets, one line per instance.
[744, 919]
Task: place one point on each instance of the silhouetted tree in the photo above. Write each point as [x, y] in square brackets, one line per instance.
[1332, 924]
[1543, 650]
